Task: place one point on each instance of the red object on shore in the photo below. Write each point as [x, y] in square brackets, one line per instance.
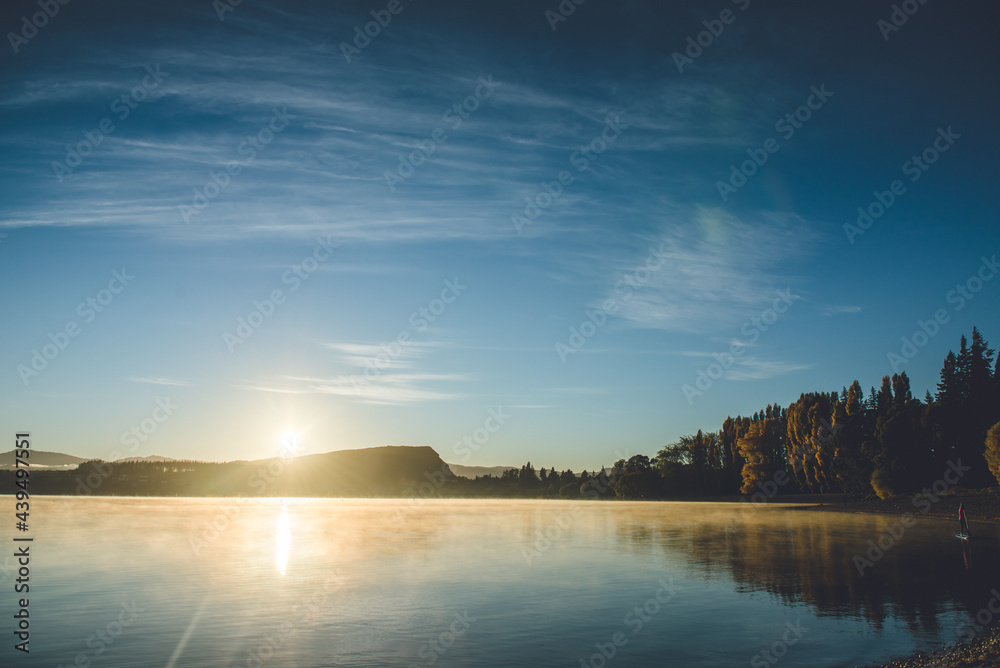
[963, 522]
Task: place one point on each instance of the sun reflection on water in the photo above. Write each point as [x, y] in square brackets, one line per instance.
[283, 540]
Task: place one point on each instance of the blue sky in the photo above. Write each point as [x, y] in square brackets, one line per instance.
[215, 161]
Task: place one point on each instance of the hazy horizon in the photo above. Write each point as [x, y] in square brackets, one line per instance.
[236, 234]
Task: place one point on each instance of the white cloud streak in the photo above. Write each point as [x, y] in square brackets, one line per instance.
[156, 380]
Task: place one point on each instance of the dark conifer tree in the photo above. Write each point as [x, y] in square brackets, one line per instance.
[901, 389]
[963, 363]
[948, 388]
[883, 400]
[855, 399]
[980, 372]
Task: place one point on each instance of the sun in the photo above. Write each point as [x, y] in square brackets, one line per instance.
[289, 443]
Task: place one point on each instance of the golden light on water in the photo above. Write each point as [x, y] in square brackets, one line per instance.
[283, 540]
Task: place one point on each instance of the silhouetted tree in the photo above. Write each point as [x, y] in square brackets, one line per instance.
[855, 399]
[640, 484]
[526, 478]
[947, 388]
[900, 389]
[883, 400]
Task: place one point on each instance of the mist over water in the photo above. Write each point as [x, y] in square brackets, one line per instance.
[322, 582]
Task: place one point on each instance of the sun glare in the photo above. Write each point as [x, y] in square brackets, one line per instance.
[289, 443]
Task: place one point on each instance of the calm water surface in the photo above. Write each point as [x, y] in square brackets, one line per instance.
[307, 582]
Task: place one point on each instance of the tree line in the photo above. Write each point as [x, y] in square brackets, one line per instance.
[885, 442]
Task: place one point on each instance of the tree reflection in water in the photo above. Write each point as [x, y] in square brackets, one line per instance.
[808, 557]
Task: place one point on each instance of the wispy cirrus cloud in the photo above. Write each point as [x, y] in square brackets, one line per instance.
[834, 310]
[393, 388]
[753, 368]
[386, 388]
[381, 356]
[157, 380]
[326, 171]
[717, 269]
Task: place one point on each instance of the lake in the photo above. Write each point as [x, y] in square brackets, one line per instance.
[331, 582]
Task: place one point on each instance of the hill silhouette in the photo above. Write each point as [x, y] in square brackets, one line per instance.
[381, 471]
[42, 458]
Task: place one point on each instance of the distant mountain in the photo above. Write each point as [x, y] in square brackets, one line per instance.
[148, 458]
[471, 472]
[391, 471]
[41, 458]
[55, 460]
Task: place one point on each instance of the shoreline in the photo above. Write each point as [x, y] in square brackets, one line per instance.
[983, 651]
[981, 507]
